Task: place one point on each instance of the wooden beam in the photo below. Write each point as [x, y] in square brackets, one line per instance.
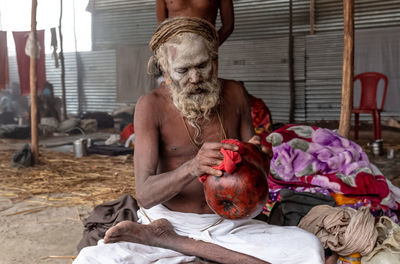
[348, 68]
[312, 16]
[62, 61]
[33, 88]
[292, 89]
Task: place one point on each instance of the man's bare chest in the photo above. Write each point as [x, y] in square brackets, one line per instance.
[179, 138]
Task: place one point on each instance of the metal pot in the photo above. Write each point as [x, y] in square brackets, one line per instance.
[80, 147]
[377, 147]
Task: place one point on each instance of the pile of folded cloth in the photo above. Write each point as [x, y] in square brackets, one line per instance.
[318, 160]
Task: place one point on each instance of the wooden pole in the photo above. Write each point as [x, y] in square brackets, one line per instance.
[64, 100]
[291, 65]
[312, 16]
[348, 68]
[33, 89]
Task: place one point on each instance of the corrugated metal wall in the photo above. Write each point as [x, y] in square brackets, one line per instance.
[367, 14]
[265, 72]
[98, 71]
[255, 53]
[117, 22]
[261, 64]
[324, 52]
[318, 92]
[97, 77]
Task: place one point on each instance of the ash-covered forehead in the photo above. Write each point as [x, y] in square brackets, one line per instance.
[187, 49]
[176, 26]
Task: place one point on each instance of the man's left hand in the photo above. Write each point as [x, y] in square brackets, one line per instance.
[257, 141]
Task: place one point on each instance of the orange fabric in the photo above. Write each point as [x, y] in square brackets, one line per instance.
[341, 199]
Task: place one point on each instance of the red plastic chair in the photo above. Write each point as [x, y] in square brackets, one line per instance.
[369, 87]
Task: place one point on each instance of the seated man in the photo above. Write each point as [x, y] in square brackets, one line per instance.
[204, 9]
[178, 129]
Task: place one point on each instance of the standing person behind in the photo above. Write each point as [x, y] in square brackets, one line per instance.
[205, 9]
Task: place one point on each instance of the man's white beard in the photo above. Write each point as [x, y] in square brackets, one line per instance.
[194, 106]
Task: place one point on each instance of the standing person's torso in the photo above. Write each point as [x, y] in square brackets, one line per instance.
[206, 9]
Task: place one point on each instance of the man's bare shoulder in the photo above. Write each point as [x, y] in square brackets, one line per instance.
[152, 101]
[233, 90]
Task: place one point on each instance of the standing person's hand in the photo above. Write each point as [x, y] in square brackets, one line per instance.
[256, 141]
[208, 156]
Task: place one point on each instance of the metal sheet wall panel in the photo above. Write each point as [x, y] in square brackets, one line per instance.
[98, 74]
[99, 81]
[54, 76]
[13, 69]
[257, 19]
[117, 22]
[265, 72]
[367, 14]
[122, 22]
[133, 21]
[324, 54]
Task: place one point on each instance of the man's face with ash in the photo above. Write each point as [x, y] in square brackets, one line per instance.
[191, 76]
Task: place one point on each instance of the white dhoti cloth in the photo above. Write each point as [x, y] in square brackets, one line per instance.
[275, 244]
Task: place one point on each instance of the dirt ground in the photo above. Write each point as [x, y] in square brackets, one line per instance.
[33, 232]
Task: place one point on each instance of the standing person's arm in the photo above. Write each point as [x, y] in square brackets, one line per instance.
[227, 20]
[161, 11]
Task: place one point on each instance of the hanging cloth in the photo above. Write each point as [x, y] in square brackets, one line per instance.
[54, 45]
[4, 73]
[23, 60]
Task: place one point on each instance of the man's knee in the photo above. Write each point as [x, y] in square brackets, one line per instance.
[313, 246]
[85, 255]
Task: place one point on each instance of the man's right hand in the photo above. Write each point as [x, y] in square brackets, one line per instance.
[209, 156]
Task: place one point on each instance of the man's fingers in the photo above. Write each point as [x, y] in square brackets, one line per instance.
[211, 162]
[216, 155]
[229, 146]
[211, 171]
[265, 149]
[218, 146]
[255, 140]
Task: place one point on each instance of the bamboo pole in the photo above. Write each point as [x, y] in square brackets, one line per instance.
[64, 100]
[291, 65]
[33, 89]
[348, 68]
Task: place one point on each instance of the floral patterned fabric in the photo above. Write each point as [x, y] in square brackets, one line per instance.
[261, 118]
[319, 160]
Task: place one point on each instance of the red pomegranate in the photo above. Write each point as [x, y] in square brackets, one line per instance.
[243, 193]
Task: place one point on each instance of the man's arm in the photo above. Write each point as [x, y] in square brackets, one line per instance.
[246, 124]
[161, 11]
[227, 20]
[152, 188]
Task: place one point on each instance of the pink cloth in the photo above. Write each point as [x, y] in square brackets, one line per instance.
[231, 158]
[23, 61]
[4, 79]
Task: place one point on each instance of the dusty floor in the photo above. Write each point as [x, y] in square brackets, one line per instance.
[39, 237]
[50, 234]
[40, 227]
